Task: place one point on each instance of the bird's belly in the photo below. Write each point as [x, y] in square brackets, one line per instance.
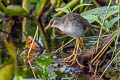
[73, 31]
[75, 34]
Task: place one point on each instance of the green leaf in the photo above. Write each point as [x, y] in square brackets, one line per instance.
[110, 13]
[2, 6]
[66, 10]
[18, 78]
[113, 21]
[106, 25]
[7, 71]
[52, 75]
[8, 68]
[11, 49]
[101, 11]
[70, 5]
[81, 5]
[62, 69]
[44, 61]
[45, 73]
[1, 13]
[1, 16]
[26, 5]
[37, 7]
[91, 18]
[14, 10]
[53, 2]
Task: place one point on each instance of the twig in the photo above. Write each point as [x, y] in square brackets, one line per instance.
[101, 51]
[32, 69]
[62, 49]
[63, 46]
[30, 51]
[96, 68]
[4, 32]
[109, 65]
[103, 24]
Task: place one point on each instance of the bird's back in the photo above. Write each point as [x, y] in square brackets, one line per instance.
[77, 17]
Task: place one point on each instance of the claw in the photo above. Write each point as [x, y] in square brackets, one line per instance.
[74, 55]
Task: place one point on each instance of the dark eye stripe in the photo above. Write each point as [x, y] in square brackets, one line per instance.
[51, 22]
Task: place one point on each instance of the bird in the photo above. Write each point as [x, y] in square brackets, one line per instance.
[74, 25]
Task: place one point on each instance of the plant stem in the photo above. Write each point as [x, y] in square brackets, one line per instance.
[69, 5]
[2, 7]
[43, 37]
[41, 9]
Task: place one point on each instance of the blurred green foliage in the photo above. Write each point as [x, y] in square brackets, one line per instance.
[26, 15]
[44, 62]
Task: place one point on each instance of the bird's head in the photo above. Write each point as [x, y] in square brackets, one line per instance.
[55, 22]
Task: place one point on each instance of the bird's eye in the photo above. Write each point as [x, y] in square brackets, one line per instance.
[51, 22]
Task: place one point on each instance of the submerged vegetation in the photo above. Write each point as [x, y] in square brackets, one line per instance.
[27, 51]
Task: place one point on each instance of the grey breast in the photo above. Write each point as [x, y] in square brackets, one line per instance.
[72, 26]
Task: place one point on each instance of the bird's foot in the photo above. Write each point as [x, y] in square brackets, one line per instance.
[75, 60]
[72, 60]
[68, 59]
[74, 57]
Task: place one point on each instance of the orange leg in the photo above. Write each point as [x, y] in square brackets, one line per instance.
[75, 59]
[69, 57]
[82, 44]
[74, 54]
